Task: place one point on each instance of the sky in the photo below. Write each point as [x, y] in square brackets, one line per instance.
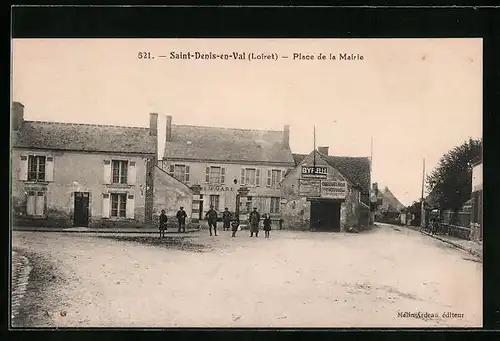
[416, 98]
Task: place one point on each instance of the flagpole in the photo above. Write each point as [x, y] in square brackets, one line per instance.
[422, 209]
[314, 155]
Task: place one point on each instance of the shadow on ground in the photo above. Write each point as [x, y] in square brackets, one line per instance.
[177, 243]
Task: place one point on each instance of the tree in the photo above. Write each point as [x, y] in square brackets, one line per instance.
[451, 179]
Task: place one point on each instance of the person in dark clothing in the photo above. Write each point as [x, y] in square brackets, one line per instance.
[163, 223]
[212, 219]
[281, 223]
[234, 225]
[267, 224]
[181, 218]
[254, 222]
[226, 219]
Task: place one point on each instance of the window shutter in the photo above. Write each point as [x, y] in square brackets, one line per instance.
[242, 176]
[171, 169]
[23, 172]
[132, 173]
[269, 174]
[222, 175]
[105, 205]
[130, 206]
[207, 175]
[187, 173]
[257, 177]
[107, 171]
[49, 168]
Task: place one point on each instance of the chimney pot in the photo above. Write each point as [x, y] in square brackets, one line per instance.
[153, 124]
[323, 150]
[17, 115]
[168, 131]
[286, 136]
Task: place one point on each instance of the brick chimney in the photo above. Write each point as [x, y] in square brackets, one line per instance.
[168, 131]
[17, 115]
[286, 136]
[323, 150]
[153, 124]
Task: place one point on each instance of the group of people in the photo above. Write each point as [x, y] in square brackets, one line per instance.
[229, 221]
[181, 221]
[232, 221]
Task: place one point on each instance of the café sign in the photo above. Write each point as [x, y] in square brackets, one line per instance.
[334, 189]
[320, 172]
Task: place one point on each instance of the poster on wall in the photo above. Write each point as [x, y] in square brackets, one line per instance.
[309, 187]
[333, 189]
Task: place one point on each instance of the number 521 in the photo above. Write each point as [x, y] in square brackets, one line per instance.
[144, 55]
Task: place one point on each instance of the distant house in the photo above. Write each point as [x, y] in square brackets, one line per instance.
[66, 174]
[326, 192]
[222, 160]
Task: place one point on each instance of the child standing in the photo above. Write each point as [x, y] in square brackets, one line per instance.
[163, 223]
[234, 225]
[267, 225]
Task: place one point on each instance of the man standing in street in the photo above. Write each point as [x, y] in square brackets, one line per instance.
[181, 218]
[226, 219]
[254, 222]
[212, 219]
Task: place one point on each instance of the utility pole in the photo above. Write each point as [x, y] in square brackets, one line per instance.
[314, 152]
[422, 209]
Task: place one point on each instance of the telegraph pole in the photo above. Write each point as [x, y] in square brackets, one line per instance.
[314, 155]
[422, 209]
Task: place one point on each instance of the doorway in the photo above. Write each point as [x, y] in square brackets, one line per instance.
[81, 212]
[325, 215]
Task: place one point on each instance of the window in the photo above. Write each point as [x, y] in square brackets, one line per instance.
[275, 178]
[214, 201]
[250, 176]
[35, 205]
[275, 205]
[119, 171]
[36, 168]
[215, 175]
[118, 205]
[181, 172]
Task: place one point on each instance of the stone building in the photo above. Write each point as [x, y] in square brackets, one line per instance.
[88, 175]
[334, 198]
[222, 160]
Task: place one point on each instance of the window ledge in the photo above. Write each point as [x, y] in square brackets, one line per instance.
[120, 185]
[118, 219]
[36, 182]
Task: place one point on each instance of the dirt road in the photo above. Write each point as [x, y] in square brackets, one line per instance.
[293, 279]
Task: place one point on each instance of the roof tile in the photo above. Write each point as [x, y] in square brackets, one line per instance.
[84, 137]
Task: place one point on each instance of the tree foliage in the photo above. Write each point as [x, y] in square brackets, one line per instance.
[451, 180]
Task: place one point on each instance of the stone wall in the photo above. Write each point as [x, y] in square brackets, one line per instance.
[296, 210]
[75, 172]
[169, 195]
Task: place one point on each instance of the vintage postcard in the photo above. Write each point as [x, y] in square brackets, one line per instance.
[178, 183]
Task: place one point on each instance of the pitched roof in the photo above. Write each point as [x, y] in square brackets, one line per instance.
[298, 158]
[392, 200]
[227, 144]
[355, 169]
[84, 137]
